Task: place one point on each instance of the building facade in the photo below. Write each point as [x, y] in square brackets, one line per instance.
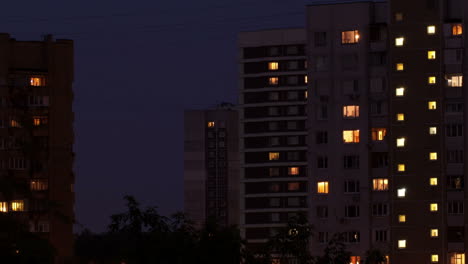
[211, 165]
[36, 137]
[272, 96]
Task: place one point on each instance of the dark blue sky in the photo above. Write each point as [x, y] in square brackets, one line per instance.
[139, 64]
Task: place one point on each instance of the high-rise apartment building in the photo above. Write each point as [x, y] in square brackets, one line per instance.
[36, 137]
[273, 93]
[211, 165]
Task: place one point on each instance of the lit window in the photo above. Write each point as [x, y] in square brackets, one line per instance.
[401, 167]
[350, 37]
[380, 184]
[432, 105]
[273, 80]
[210, 124]
[17, 206]
[40, 120]
[273, 66]
[434, 232]
[399, 41]
[306, 80]
[401, 243]
[457, 258]
[351, 111]
[37, 81]
[401, 192]
[431, 30]
[322, 187]
[433, 207]
[431, 55]
[433, 181]
[378, 134]
[293, 170]
[432, 80]
[351, 136]
[39, 185]
[293, 186]
[433, 155]
[14, 123]
[402, 218]
[455, 81]
[457, 29]
[3, 207]
[432, 130]
[434, 258]
[306, 94]
[398, 16]
[400, 67]
[400, 142]
[400, 91]
[355, 260]
[400, 117]
[273, 155]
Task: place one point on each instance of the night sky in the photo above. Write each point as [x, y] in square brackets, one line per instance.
[138, 65]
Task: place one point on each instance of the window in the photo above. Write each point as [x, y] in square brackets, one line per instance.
[401, 167]
[377, 58]
[17, 164]
[433, 207]
[380, 209]
[39, 185]
[350, 37]
[322, 211]
[17, 205]
[455, 156]
[399, 41]
[352, 211]
[275, 202]
[379, 159]
[378, 134]
[434, 258]
[322, 237]
[3, 207]
[380, 184]
[432, 130]
[274, 172]
[320, 39]
[455, 80]
[351, 136]
[273, 81]
[211, 124]
[434, 232]
[400, 142]
[400, 66]
[293, 155]
[401, 192]
[381, 235]
[454, 130]
[400, 91]
[322, 112]
[431, 30]
[273, 66]
[457, 258]
[455, 207]
[350, 111]
[322, 187]
[273, 156]
[321, 137]
[455, 182]
[453, 107]
[402, 218]
[293, 186]
[14, 123]
[293, 171]
[431, 55]
[355, 260]
[431, 80]
[37, 81]
[294, 140]
[351, 162]
[432, 105]
[457, 29]
[275, 141]
[40, 120]
[351, 186]
[352, 237]
[400, 117]
[322, 162]
[401, 243]
[293, 202]
[433, 181]
[38, 100]
[398, 16]
[432, 155]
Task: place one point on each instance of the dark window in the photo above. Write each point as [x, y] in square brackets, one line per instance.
[381, 235]
[352, 211]
[455, 234]
[379, 160]
[455, 207]
[320, 39]
[351, 162]
[455, 156]
[322, 162]
[379, 209]
[351, 186]
[455, 182]
[321, 137]
[322, 211]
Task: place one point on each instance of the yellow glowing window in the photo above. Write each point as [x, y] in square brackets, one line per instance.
[211, 124]
[434, 258]
[401, 243]
[433, 181]
[400, 117]
[434, 232]
[402, 218]
[432, 130]
[293, 170]
[37, 81]
[351, 111]
[457, 29]
[401, 167]
[273, 66]
[14, 123]
[322, 187]
[455, 80]
[431, 30]
[273, 80]
[400, 91]
[3, 207]
[400, 67]
[432, 105]
[433, 207]
[306, 79]
[400, 142]
[306, 94]
[399, 41]
[433, 155]
[350, 37]
[431, 55]
[401, 192]
[380, 184]
[378, 134]
[432, 80]
[351, 136]
[17, 206]
[40, 120]
[273, 156]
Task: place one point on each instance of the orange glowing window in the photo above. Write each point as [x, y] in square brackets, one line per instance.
[211, 124]
[40, 120]
[273, 66]
[322, 187]
[378, 134]
[37, 81]
[3, 207]
[273, 80]
[39, 185]
[351, 136]
[14, 123]
[380, 184]
[350, 37]
[293, 170]
[457, 29]
[273, 156]
[17, 206]
[351, 111]
[355, 260]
